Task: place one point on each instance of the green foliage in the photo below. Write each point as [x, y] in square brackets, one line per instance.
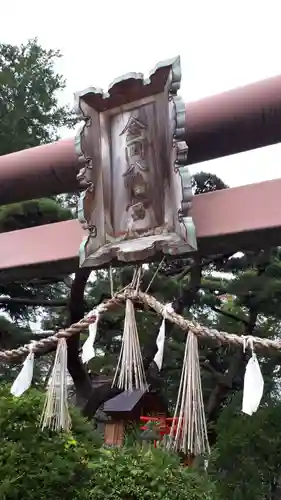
[31, 213]
[204, 182]
[30, 115]
[138, 473]
[12, 336]
[247, 458]
[43, 464]
[25, 310]
[29, 87]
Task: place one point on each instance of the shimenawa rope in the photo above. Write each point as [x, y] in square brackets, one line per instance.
[204, 333]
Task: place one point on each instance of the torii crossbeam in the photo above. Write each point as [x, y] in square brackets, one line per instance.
[233, 219]
[237, 218]
[238, 120]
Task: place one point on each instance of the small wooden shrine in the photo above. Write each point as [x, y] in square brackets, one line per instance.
[126, 409]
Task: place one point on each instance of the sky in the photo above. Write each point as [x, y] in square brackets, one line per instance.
[222, 44]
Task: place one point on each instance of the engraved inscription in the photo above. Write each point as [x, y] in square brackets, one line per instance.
[135, 178]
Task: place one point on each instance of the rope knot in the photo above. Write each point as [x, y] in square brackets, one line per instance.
[248, 342]
[166, 310]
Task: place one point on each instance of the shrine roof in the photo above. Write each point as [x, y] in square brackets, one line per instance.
[124, 402]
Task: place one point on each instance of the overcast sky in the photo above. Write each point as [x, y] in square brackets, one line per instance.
[222, 44]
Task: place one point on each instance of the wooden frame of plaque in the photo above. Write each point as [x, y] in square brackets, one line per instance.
[137, 187]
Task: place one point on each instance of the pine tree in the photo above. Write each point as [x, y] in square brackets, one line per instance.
[30, 115]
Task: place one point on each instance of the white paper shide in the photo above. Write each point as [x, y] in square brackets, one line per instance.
[24, 378]
[88, 351]
[160, 341]
[253, 386]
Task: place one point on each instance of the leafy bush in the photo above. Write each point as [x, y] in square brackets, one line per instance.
[41, 464]
[139, 474]
[247, 459]
[37, 464]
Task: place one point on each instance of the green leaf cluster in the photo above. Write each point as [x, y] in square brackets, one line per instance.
[31, 213]
[138, 473]
[247, 458]
[44, 464]
[30, 115]
[29, 86]
[41, 464]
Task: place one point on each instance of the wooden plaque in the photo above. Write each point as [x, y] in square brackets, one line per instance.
[137, 187]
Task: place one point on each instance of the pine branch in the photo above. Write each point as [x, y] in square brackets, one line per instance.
[213, 287]
[33, 302]
[230, 315]
[218, 376]
[180, 274]
[41, 335]
[238, 361]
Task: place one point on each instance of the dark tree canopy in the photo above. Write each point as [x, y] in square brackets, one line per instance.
[30, 113]
[204, 182]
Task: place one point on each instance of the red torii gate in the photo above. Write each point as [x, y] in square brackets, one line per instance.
[245, 118]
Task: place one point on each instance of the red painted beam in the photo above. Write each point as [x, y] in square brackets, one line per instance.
[44, 251]
[37, 172]
[225, 221]
[244, 118]
[240, 119]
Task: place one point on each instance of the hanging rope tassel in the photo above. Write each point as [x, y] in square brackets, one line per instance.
[24, 378]
[55, 413]
[189, 430]
[129, 373]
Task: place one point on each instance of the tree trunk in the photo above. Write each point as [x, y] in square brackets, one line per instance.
[77, 370]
